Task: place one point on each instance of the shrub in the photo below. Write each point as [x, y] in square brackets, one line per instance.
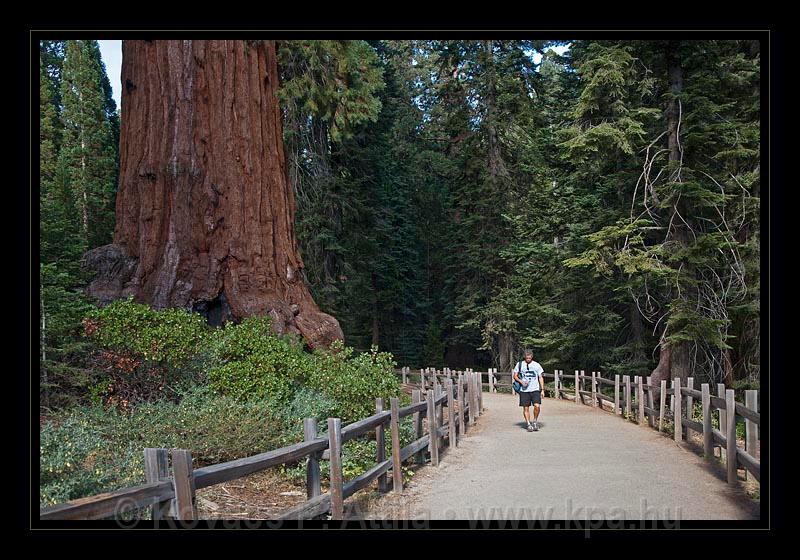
[306, 403]
[68, 454]
[249, 362]
[354, 382]
[171, 336]
[90, 450]
[142, 354]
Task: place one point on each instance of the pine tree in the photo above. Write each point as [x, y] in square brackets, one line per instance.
[679, 255]
[61, 305]
[88, 151]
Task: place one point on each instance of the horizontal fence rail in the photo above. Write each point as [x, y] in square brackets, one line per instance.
[174, 496]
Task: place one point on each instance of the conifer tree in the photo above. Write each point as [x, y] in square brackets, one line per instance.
[88, 151]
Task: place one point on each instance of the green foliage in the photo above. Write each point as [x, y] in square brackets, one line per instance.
[88, 450]
[89, 150]
[76, 158]
[353, 382]
[249, 362]
[245, 361]
[336, 81]
[456, 201]
[172, 336]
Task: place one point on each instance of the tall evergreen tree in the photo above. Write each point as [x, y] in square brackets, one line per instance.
[61, 305]
[88, 150]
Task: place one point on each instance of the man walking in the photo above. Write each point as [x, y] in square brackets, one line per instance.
[529, 375]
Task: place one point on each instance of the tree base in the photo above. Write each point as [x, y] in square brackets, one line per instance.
[114, 277]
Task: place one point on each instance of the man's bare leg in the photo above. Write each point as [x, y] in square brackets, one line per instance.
[535, 412]
[526, 413]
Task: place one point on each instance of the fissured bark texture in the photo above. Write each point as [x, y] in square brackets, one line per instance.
[204, 205]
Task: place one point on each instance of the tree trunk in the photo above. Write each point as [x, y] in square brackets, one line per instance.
[637, 332]
[676, 362]
[205, 211]
[375, 312]
[506, 352]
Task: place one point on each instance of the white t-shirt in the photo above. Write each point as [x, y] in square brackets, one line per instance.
[530, 373]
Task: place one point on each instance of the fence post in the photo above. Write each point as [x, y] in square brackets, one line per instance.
[708, 436]
[462, 427]
[336, 480]
[663, 399]
[677, 401]
[380, 443]
[730, 434]
[156, 468]
[577, 392]
[689, 408]
[751, 428]
[640, 399]
[479, 391]
[723, 422]
[627, 380]
[416, 397]
[555, 385]
[451, 413]
[397, 468]
[651, 421]
[422, 379]
[473, 398]
[183, 476]
[313, 487]
[439, 414]
[433, 440]
[470, 398]
[616, 394]
[405, 375]
[594, 390]
[479, 381]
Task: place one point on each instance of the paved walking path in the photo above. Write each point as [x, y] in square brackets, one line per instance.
[581, 464]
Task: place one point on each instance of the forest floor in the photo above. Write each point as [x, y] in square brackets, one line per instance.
[265, 495]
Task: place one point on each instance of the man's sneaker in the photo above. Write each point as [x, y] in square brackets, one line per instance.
[530, 428]
[536, 426]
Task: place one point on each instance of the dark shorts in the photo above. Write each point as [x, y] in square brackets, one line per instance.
[532, 397]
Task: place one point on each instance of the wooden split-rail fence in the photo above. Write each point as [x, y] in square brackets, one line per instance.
[634, 399]
[441, 414]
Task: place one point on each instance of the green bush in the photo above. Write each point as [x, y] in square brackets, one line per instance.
[172, 336]
[68, 453]
[220, 393]
[354, 382]
[141, 354]
[90, 450]
[306, 403]
[249, 362]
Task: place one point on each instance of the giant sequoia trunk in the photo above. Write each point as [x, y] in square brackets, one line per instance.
[205, 212]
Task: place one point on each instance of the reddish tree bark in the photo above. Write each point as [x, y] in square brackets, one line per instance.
[205, 211]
